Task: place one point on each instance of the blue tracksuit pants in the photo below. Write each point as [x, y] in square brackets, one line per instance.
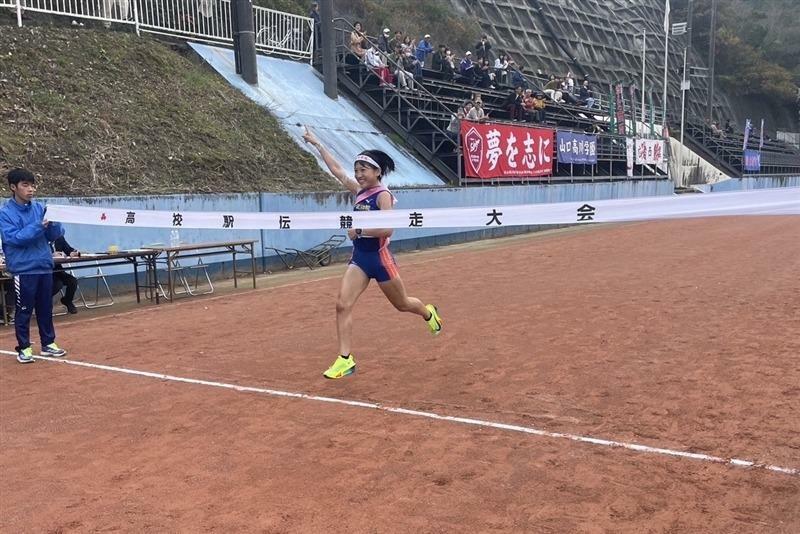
[34, 292]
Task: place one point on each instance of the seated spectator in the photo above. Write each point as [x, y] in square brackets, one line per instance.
[585, 96]
[513, 103]
[383, 41]
[374, 60]
[396, 41]
[403, 66]
[62, 278]
[553, 89]
[467, 68]
[566, 94]
[527, 105]
[716, 132]
[408, 44]
[518, 76]
[438, 58]
[728, 127]
[357, 39]
[485, 76]
[482, 48]
[539, 106]
[594, 128]
[10, 294]
[501, 69]
[476, 114]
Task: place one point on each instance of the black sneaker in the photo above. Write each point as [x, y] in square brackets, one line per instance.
[69, 305]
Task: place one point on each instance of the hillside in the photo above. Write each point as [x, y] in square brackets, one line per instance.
[99, 113]
[447, 25]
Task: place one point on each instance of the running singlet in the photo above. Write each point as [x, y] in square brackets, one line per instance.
[371, 254]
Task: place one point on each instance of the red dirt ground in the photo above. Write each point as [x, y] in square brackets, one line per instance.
[677, 334]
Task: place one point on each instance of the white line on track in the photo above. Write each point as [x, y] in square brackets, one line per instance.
[430, 415]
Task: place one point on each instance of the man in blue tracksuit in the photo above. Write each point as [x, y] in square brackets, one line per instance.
[26, 243]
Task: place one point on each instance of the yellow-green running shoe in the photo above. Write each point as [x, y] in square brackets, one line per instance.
[341, 367]
[434, 321]
[25, 355]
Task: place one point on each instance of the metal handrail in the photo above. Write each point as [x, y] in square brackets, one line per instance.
[196, 20]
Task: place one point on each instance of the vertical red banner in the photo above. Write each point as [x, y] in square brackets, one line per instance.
[504, 151]
[620, 109]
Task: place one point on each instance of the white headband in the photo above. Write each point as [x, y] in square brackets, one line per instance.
[367, 159]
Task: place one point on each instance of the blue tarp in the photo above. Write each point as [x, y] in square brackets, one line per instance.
[293, 92]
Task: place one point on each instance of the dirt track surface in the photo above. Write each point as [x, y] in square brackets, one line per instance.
[682, 335]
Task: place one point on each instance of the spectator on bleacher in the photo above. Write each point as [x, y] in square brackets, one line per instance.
[485, 75]
[539, 106]
[374, 60]
[315, 16]
[449, 65]
[424, 48]
[61, 278]
[476, 114]
[728, 127]
[715, 130]
[357, 39]
[396, 41]
[403, 65]
[585, 96]
[569, 82]
[408, 44]
[517, 76]
[467, 68]
[566, 94]
[438, 58]
[454, 128]
[513, 103]
[594, 128]
[501, 69]
[383, 41]
[553, 89]
[482, 48]
[528, 105]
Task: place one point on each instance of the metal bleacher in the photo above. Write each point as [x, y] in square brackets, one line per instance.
[421, 118]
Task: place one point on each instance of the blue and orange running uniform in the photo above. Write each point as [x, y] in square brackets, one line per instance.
[371, 254]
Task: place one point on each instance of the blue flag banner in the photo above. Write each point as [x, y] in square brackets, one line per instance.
[752, 160]
[576, 148]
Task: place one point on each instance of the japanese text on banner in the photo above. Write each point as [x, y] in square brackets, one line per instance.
[494, 151]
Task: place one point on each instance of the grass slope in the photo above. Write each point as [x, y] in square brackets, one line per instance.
[102, 113]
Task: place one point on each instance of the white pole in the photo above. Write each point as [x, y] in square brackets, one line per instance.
[19, 13]
[664, 103]
[644, 58]
[136, 16]
[683, 109]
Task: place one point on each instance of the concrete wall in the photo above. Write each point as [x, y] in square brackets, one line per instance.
[694, 169]
[91, 238]
[762, 182]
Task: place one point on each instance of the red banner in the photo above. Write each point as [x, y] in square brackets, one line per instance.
[503, 151]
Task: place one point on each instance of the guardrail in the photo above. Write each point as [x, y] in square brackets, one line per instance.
[209, 21]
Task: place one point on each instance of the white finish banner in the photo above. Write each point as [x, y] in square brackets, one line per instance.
[784, 201]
